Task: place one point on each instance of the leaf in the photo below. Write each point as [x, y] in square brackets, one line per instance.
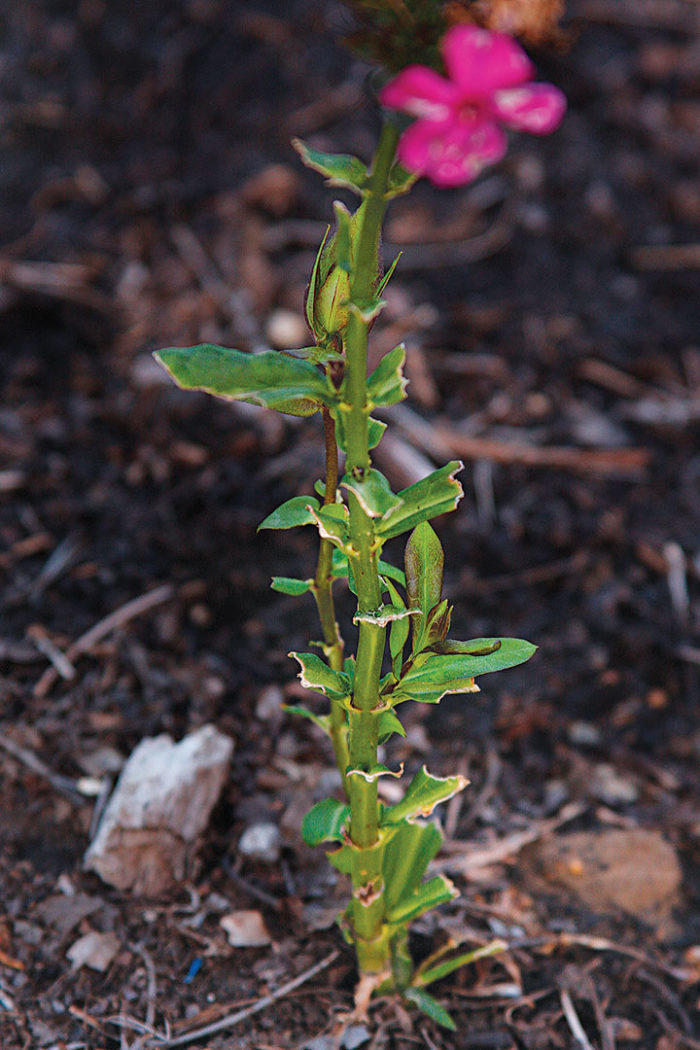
[388, 724]
[386, 385]
[379, 770]
[475, 647]
[375, 430]
[270, 379]
[431, 894]
[317, 675]
[343, 240]
[432, 677]
[332, 523]
[388, 275]
[322, 721]
[295, 511]
[428, 498]
[291, 586]
[407, 855]
[340, 169]
[431, 970]
[430, 1007]
[373, 492]
[422, 795]
[314, 282]
[424, 561]
[384, 614]
[400, 181]
[325, 822]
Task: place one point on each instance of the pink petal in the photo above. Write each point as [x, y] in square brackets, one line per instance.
[537, 108]
[480, 61]
[421, 92]
[451, 153]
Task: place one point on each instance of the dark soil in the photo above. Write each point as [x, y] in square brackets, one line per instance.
[150, 197]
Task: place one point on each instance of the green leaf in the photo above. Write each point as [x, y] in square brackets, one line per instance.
[332, 523]
[391, 572]
[375, 430]
[430, 1007]
[424, 561]
[373, 491]
[431, 970]
[388, 275]
[423, 794]
[388, 724]
[340, 169]
[432, 677]
[317, 675]
[322, 721]
[325, 822]
[378, 770]
[295, 511]
[384, 614]
[475, 647]
[387, 385]
[314, 282]
[291, 586]
[431, 894]
[343, 241]
[406, 858]
[400, 181]
[270, 379]
[428, 498]
[437, 625]
[398, 632]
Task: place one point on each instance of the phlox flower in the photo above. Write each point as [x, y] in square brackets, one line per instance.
[460, 118]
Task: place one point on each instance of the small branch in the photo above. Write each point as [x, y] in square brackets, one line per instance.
[241, 1015]
[572, 1019]
[64, 785]
[104, 627]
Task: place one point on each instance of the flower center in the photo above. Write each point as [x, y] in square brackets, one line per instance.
[470, 111]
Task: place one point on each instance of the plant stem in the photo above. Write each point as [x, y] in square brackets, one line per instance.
[323, 593]
[370, 931]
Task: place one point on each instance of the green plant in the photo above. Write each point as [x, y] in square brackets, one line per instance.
[404, 650]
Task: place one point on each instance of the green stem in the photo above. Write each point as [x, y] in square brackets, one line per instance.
[370, 930]
[323, 593]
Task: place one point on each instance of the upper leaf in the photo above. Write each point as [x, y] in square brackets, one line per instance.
[433, 676]
[387, 384]
[270, 379]
[293, 512]
[434, 495]
[340, 169]
[424, 560]
[400, 180]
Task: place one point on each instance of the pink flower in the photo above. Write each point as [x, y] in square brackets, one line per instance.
[458, 130]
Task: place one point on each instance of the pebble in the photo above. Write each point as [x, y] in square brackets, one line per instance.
[261, 841]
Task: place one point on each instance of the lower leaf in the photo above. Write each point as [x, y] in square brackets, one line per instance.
[430, 1007]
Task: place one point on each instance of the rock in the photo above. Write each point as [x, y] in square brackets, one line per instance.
[261, 841]
[148, 834]
[634, 871]
[612, 787]
[96, 950]
[246, 929]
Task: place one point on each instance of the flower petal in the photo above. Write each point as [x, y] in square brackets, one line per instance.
[480, 61]
[451, 153]
[537, 108]
[421, 92]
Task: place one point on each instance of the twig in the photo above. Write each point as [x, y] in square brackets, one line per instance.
[102, 628]
[573, 1021]
[241, 1015]
[64, 785]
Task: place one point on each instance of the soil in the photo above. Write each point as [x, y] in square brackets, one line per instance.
[150, 197]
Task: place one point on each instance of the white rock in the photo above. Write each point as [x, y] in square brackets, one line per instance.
[261, 841]
[96, 950]
[246, 929]
[148, 834]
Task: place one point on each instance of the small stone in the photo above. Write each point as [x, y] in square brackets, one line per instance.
[269, 704]
[246, 929]
[148, 834]
[261, 842]
[95, 950]
[612, 787]
[286, 329]
[584, 734]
